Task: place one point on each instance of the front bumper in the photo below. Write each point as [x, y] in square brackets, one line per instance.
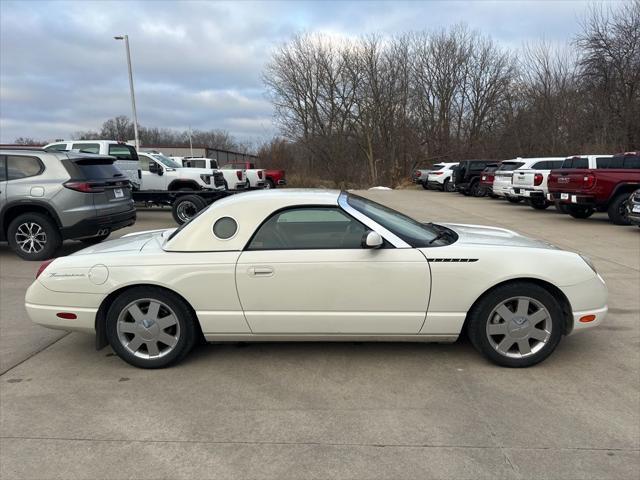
[587, 299]
[90, 227]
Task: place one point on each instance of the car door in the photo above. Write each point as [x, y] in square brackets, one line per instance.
[151, 180]
[305, 272]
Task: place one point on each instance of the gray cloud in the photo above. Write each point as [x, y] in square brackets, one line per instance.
[199, 63]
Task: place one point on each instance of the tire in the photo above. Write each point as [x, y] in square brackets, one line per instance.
[513, 199]
[617, 210]
[34, 236]
[474, 189]
[448, 186]
[580, 211]
[226, 185]
[539, 204]
[186, 207]
[269, 184]
[425, 186]
[132, 336]
[95, 240]
[509, 349]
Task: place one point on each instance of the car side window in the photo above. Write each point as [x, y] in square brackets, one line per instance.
[3, 168]
[308, 228]
[632, 162]
[144, 162]
[123, 152]
[86, 147]
[23, 167]
[544, 165]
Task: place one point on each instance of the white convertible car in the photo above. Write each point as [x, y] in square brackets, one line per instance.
[318, 265]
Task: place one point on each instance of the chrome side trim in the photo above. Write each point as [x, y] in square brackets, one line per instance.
[278, 337]
[386, 234]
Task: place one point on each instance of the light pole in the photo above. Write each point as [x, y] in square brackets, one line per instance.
[133, 95]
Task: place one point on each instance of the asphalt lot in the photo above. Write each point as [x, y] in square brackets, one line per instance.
[334, 410]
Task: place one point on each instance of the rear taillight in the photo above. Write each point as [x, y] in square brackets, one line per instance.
[589, 180]
[437, 173]
[43, 266]
[239, 174]
[259, 173]
[84, 187]
[418, 173]
[537, 179]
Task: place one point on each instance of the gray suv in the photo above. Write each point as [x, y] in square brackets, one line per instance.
[48, 197]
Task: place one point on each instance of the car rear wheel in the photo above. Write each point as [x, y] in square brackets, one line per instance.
[149, 327]
[539, 204]
[516, 325]
[425, 186]
[269, 184]
[580, 211]
[33, 236]
[187, 207]
[617, 210]
[448, 186]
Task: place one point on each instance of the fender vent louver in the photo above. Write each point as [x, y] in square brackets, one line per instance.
[453, 260]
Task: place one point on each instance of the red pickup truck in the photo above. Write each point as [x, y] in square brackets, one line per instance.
[274, 177]
[606, 187]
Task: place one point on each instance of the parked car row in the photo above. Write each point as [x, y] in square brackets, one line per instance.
[577, 185]
[84, 190]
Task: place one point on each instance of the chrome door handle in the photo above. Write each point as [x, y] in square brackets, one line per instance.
[260, 271]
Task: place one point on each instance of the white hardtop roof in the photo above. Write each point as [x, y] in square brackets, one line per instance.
[249, 210]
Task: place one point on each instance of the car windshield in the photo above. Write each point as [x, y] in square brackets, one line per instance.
[509, 166]
[411, 231]
[166, 161]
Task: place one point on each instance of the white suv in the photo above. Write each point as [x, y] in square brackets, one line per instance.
[440, 176]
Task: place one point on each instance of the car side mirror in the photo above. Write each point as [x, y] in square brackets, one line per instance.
[372, 239]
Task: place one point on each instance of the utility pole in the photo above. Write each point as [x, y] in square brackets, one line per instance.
[133, 95]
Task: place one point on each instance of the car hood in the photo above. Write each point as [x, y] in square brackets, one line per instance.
[131, 242]
[483, 235]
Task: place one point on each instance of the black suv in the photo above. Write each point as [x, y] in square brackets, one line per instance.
[467, 176]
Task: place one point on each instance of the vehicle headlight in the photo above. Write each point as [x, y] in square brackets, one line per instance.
[588, 261]
[206, 178]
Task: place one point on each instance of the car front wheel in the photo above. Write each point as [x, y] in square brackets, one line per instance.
[150, 327]
[617, 211]
[516, 325]
[33, 236]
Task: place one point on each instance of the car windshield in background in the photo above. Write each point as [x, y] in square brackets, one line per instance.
[166, 161]
[411, 231]
[509, 166]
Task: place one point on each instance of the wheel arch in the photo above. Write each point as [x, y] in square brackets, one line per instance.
[558, 294]
[625, 188]
[178, 184]
[101, 314]
[13, 209]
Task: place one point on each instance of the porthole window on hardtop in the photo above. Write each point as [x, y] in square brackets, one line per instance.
[225, 228]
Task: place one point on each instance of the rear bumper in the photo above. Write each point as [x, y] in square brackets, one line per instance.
[528, 193]
[434, 184]
[503, 191]
[572, 198]
[90, 227]
[281, 181]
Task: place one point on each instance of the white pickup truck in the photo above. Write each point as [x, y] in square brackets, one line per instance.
[234, 179]
[530, 184]
[159, 172]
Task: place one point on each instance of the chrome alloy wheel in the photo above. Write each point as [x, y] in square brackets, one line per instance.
[519, 327]
[148, 328]
[186, 210]
[31, 237]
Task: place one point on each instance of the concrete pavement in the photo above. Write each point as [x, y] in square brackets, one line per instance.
[334, 410]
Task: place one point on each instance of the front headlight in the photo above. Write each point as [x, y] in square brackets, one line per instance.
[588, 261]
[206, 178]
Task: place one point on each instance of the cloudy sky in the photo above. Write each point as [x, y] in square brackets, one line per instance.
[199, 63]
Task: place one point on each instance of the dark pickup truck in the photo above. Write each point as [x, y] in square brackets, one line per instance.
[606, 187]
[466, 176]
